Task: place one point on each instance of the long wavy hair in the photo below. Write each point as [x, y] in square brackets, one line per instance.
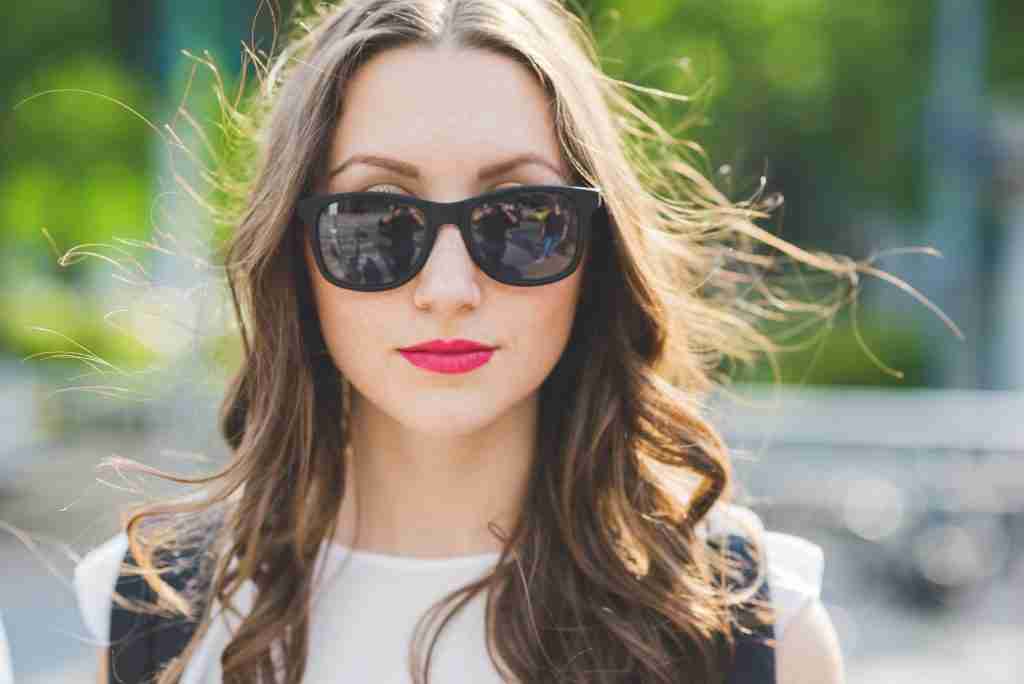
[605, 576]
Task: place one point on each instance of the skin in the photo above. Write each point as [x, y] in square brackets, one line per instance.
[809, 651]
[438, 457]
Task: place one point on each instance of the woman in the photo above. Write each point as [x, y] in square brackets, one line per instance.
[554, 230]
[399, 228]
[526, 444]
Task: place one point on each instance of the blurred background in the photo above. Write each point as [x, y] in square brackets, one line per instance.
[884, 125]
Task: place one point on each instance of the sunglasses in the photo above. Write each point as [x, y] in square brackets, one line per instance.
[525, 236]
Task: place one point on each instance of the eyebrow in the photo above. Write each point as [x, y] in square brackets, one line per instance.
[411, 171]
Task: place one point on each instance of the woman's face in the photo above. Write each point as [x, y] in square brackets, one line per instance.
[447, 113]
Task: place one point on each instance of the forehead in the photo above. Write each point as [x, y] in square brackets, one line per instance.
[445, 109]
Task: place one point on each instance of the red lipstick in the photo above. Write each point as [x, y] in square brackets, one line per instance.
[448, 356]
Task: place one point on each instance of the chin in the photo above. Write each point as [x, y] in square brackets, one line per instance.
[447, 418]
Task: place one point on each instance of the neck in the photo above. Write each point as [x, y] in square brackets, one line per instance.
[434, 495]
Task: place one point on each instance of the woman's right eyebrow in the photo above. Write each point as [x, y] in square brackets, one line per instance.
[399, 167]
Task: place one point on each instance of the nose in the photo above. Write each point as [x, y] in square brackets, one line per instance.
[449, 281]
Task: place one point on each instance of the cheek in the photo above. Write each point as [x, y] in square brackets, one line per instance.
[545, 322]
[350, 329]
[341, 316]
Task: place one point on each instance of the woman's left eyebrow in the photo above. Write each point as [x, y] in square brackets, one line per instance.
[486, 173]
[489, 172]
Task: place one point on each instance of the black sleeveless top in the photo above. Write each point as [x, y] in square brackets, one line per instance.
[142, 643]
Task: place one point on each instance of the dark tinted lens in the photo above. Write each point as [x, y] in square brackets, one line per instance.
[371, 241]
[530, 236]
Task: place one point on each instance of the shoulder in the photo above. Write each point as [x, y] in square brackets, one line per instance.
[794, 565]
[98, 575]
[810, 653]
[94, 580]
[807, 649]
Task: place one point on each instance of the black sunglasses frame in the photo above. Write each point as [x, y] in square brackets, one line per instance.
[588, 202]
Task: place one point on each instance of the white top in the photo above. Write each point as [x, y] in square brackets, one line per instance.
[363, 617]
[6, 670]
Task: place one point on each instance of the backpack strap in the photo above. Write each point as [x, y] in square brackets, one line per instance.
[754, 659]
[142, 643]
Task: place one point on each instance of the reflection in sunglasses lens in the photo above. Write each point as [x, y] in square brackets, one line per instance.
[529, 237]
[376, 241]
[371, 241]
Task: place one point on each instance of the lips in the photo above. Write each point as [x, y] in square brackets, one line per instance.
[448, 356]
[448, 363]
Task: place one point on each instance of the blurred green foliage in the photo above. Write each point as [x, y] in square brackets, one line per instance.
[76, 164]
[828, 100]
[49, 304]
[824, 97]
[80, 164]
[831, 354]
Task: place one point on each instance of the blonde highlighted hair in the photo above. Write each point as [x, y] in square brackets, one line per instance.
[627, 465]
